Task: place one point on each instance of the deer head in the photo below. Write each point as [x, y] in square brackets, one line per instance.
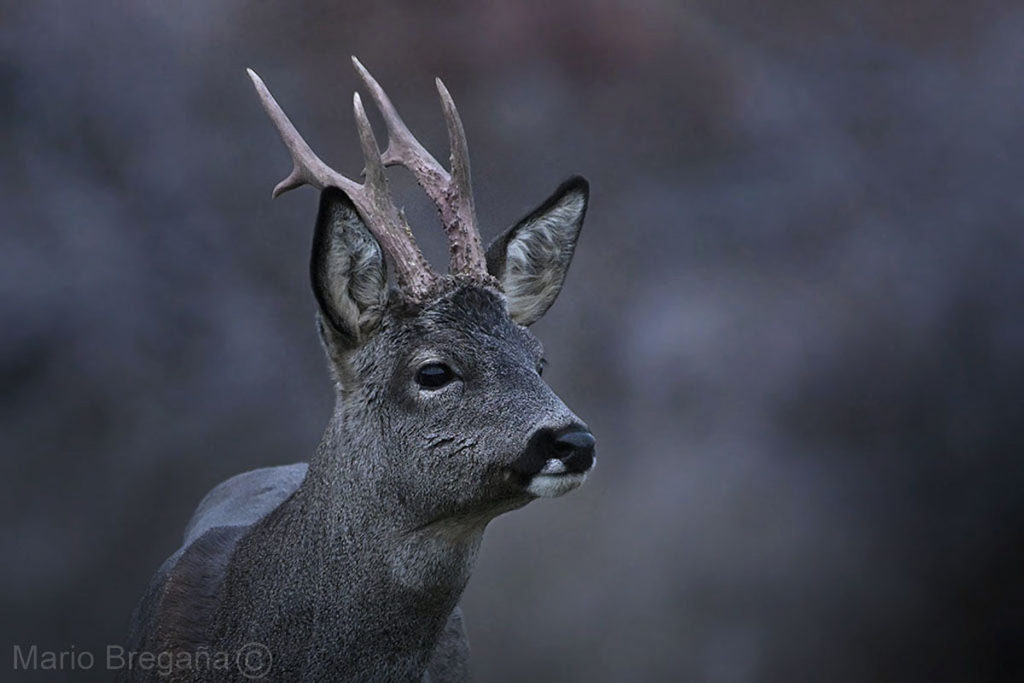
[441, 407]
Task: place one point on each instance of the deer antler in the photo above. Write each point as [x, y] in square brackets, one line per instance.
[451, 193]
[372, 198]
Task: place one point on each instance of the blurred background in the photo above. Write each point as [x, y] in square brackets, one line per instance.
[794, 320]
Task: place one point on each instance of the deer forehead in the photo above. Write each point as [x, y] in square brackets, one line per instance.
[466, 318]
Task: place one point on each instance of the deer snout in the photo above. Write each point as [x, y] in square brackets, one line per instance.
[556, 460]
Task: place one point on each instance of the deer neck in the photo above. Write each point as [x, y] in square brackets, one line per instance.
[357, 510]
[342, 569]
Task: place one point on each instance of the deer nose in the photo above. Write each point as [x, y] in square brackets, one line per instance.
[575, 448]
[569, 450]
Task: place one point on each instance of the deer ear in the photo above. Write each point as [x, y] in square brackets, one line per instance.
[531, 259]
[347, 272]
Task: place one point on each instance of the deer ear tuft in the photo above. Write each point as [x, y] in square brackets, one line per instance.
[347, 272]
[532, 258]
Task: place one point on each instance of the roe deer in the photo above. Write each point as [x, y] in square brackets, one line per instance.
[351, 568]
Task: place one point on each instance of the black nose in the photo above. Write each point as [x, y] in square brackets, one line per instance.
[575, 448]
[572, 445]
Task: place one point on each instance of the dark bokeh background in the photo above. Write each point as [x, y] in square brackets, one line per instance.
[794, 321]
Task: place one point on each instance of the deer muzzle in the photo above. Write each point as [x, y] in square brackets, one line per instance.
[556, 461]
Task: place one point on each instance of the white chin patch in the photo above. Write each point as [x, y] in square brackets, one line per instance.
[553, 481]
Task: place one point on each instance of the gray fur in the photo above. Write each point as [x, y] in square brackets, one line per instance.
[351, 568]
[245, 498]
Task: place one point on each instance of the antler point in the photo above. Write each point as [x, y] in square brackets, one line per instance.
[256, 80]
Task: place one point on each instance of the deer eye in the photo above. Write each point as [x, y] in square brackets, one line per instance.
[434, 375]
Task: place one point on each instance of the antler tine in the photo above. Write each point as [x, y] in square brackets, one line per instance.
[403, 148]
[464, 236]
[372, 199]
[412, 270]
[307, 168]
[456, 142]
[374, 171]
[451, 193]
